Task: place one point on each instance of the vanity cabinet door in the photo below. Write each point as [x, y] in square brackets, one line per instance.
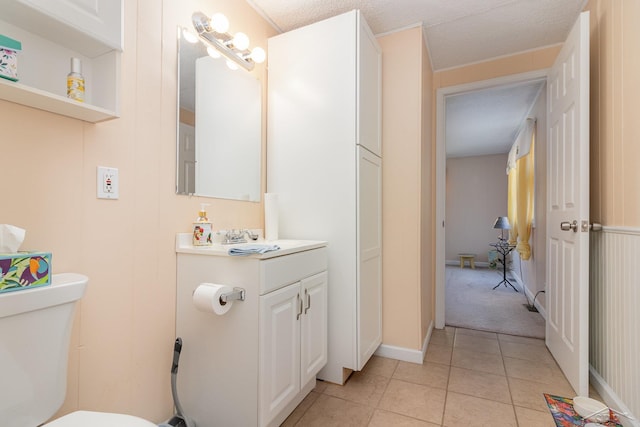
[314, 325]
[279, 350]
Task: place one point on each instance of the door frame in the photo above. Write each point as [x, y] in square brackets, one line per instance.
[441, 161]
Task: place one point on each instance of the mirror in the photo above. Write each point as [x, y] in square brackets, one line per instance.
[219, 127]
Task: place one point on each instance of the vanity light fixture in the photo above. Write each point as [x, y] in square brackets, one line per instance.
[213, 31]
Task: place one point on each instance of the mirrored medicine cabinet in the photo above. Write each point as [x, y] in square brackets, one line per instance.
[219, 127]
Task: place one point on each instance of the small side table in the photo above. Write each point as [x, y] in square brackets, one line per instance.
[504, 248]
[468, 257]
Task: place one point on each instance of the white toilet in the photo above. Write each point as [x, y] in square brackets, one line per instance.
[35, 326]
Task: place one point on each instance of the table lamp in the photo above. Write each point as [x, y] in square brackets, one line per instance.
[502, 222]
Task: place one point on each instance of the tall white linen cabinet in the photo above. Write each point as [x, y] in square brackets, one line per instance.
[324, 162]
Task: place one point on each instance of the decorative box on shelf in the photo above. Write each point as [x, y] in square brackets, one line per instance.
[24, 270]
[9, 49]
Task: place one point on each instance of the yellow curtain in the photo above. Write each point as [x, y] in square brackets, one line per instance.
[525, 188]
[512, 195]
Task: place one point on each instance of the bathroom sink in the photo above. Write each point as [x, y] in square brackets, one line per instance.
[184, 245]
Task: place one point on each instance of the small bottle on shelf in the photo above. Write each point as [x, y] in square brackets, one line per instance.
[75, 81]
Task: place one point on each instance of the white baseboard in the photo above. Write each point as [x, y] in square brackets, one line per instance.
[611, 398]
[530, 295]
[482, 264]
[406, 354]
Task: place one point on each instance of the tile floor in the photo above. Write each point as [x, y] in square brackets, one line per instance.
[469, 378]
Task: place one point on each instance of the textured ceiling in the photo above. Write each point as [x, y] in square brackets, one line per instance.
[487, 121]
[458, 32]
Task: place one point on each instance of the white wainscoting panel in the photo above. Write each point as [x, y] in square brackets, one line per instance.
[614, 304]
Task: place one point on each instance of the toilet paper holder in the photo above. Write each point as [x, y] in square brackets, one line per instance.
[236, 294]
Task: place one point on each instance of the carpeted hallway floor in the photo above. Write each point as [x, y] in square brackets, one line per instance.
[472, 303]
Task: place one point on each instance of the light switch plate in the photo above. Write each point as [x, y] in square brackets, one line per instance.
[108, 183]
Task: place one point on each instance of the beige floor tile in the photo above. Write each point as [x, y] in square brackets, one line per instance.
[469, 359]
[300, 410]
[320, 386]
[522, 340]
[479, 384]
[365, 389]
[439, 354]
[448, 329]
[476, 333]
[530, 418]
[440, 337]
[380, 366]
[328, 411]
[532, 352]
[386, 419]
[538, 371]
[414, 400]
[529, 394]
[469, 411]
[431, 374]
[477, 343]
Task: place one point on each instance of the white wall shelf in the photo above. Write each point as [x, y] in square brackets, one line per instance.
[43, 100]
[52, 32]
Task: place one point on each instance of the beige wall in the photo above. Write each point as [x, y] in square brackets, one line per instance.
[615, 103]
[615, 194]
[402, 134]
[507, 66]
[476, 195]
[123, 335]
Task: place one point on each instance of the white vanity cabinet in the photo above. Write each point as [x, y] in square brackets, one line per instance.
[324, 162]
[293, 342]
[253, 365]
[53, 31]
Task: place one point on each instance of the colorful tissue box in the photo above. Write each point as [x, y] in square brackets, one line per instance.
[9, 49]
[24, 270]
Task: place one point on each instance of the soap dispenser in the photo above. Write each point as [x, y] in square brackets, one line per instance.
[202, 229]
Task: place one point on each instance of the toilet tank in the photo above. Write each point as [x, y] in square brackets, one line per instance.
[35, 328]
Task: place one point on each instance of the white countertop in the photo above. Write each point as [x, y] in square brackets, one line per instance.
[184, 245]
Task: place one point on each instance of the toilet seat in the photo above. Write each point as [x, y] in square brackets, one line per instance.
[99, 419]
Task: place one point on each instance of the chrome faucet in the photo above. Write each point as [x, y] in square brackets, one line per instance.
[237, 236]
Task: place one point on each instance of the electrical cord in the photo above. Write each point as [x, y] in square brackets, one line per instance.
[532, 305]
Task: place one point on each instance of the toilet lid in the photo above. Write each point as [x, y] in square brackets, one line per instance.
[99, 419]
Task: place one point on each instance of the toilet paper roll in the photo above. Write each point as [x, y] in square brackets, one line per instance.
[270, 216]
[206, 298]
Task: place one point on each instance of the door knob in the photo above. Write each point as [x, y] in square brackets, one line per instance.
[566, 226]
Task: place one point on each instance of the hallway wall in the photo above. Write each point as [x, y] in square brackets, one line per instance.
[476, 195]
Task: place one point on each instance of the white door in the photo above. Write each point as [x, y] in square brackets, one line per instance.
[567, 330]
[369, 249]
[279, 350]
[314, 323]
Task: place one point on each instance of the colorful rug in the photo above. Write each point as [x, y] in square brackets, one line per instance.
[565, 416]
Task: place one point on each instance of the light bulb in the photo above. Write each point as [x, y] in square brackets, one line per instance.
[189, 36]
[213, 52]
[241, 41]
[258, 55]
[219, 23]
[232, 65]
